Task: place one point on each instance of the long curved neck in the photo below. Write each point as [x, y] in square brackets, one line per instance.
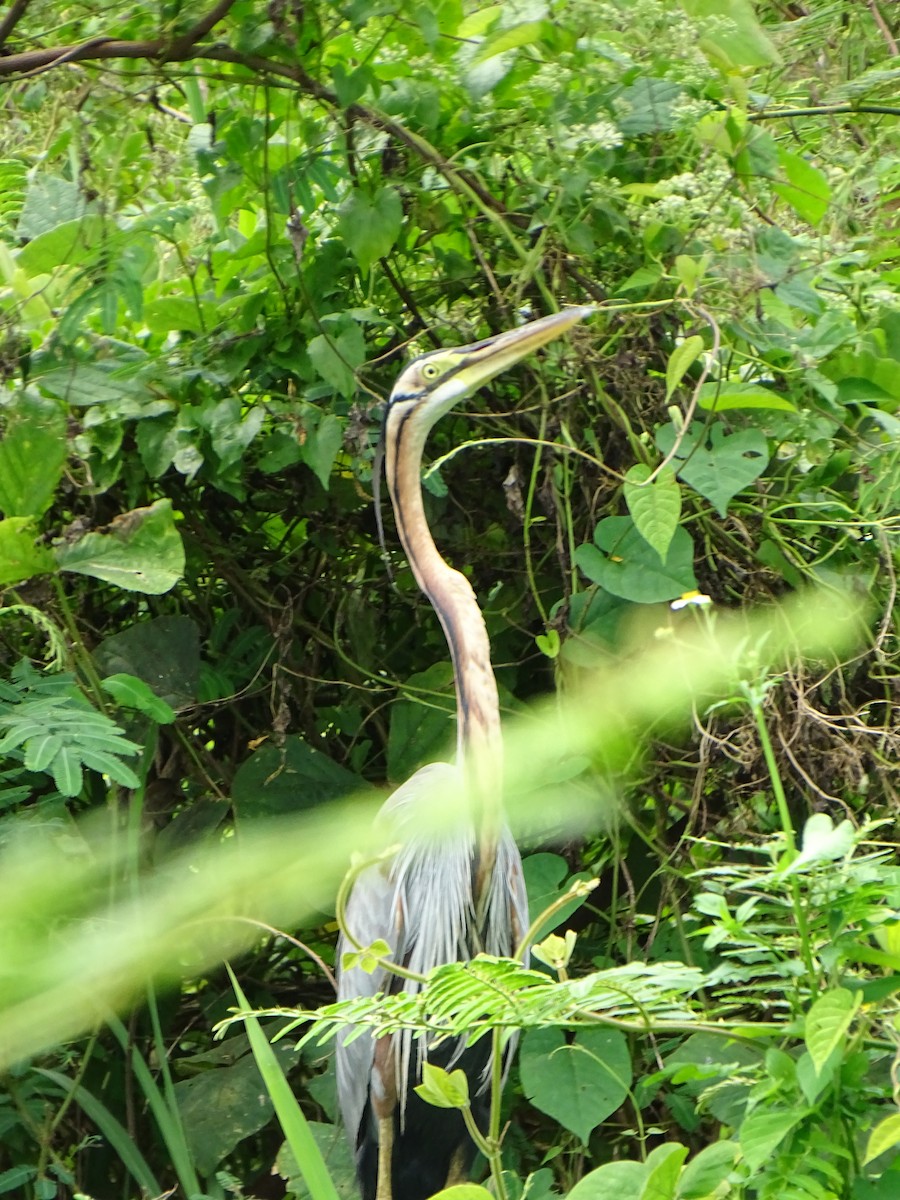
[479, 744]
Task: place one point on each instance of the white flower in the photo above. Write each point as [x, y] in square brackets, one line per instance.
[696, 598]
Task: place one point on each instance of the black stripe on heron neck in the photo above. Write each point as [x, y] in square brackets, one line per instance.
[446, 615]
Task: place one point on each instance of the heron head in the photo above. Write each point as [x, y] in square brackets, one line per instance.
[433, 383]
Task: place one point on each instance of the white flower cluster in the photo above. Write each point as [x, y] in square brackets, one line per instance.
[602, 134]
[705, 196]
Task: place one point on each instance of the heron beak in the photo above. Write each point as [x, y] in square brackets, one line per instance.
[483, 360]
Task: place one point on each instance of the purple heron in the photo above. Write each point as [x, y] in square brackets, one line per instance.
[445, 896]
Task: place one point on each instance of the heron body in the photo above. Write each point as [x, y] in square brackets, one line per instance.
[454, 888]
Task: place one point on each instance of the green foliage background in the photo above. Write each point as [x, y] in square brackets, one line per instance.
[222, 231]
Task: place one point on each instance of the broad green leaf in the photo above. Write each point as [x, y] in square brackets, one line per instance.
[640, 280]
[178, 312]
[335, 1148]
[142, 552]
[219, 1107]
[806, 189]
[664, 1163]
[67, 245]
[321, 448]
[731, 35]
[812, 1082]
[465, 1191]
[280, 779]
[547, 877]
[337, 355]
[647, 106]
[370, 224]
[20, 558]
[50, 201]
[164, 652]
[681, 360]
[476, 23]
[627, 566]
[612, 1181]
[655, 507]
[512, 38]
[580, 1083]
[422, 722]
[717, 397]
[707, 1171]
[716, 463]
[130, 692]
[89, 384]
[827, 1022]
[32, 455]
[764, 1130]
[885, 1136]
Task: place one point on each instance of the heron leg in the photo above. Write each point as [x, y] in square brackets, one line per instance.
[385, 1156]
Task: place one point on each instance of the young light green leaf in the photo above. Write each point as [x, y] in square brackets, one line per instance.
[548, 643]
[443, 1089]
[142, 552]
[827, 1022]
[523, 34]
[654, 506]
[806, 190]
[680, 361]
[885, 1136]
[718, 397]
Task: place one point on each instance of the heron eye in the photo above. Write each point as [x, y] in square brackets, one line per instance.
[431, 371]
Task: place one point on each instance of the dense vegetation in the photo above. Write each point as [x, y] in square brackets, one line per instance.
[222, 231]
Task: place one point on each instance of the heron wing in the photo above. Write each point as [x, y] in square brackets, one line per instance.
[377, 908]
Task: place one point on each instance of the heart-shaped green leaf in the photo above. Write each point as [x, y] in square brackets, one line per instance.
[717, 464]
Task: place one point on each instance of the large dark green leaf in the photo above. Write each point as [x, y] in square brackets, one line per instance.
[279, 780]
[162, 651]
[578, 1083]
[624, 563]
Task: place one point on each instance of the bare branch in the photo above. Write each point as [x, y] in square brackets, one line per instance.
[9, 22]
[187, 41]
